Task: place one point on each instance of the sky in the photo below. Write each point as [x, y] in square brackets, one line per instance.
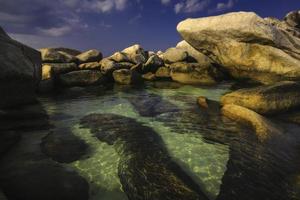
[112, 25]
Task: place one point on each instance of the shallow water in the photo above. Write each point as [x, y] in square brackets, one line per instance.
[224, 159]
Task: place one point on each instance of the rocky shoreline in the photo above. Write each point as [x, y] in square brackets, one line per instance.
[236, 47]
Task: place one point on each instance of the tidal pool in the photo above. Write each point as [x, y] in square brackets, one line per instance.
[156, 143]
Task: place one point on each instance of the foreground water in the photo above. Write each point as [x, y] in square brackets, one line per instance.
[224, 159]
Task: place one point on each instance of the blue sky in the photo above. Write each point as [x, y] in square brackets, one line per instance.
[111, 25]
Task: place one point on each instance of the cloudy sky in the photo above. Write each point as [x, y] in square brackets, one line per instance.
[111, 25]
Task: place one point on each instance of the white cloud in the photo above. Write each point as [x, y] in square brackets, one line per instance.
[104, 6]
[55, 31]
[135, 19]
[165, 2]
[223, 6]
[191, 6]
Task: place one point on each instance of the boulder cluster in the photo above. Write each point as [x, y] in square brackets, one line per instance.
[64, 67]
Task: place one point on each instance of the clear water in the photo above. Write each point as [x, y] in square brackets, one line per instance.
[223, 158]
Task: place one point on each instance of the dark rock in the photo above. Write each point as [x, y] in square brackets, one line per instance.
[20, 72]
[153, 63]
[63, 146]
[7, 140]
[82, 78]
[43, 180]
[149, 76]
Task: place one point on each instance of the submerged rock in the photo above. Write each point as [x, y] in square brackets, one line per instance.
[267, 99]
[127, 77]
[82, 78]
[264, 128]
[146, 171]
[62, 146]
[43, 180]
[246, 45]
[20, 72]
[90, 56]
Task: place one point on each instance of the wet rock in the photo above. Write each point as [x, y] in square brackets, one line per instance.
[163, 72]
[166, 84]
[89, 56]
[127, 77]
[193, 73]
[268, 99]
[20, 72]
[264, 128]
[153, 63]
[82, 78]
[202, 102]
[43, 180]
[149, 76]
[63, 146]
[245, 45]
[173, 55]
[146, 171]
[90, 65]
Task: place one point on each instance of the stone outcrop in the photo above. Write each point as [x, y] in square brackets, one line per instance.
[52, 55]
[20, 72]
[269, 99]
[90, 56]
[246, 45]
[264, 128]
[173, 55]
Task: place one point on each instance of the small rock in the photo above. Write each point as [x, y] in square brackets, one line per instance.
[50, 55]
[50, 70]
[202, 101]
[90, 56]
[137, 68]
[136, 54]
[127, 77]
[108, 66]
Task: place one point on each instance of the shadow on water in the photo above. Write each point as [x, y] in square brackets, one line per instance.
[255, 170]
[146, 171]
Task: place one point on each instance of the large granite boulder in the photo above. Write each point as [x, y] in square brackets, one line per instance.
[20, 72]
[268, 99]
[90, 56]
[263, 128]
[82, 78]
[293, 19]
[246, 45]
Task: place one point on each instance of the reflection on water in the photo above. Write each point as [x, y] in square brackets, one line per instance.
[165, 129]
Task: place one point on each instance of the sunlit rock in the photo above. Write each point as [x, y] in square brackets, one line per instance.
[90, 56]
